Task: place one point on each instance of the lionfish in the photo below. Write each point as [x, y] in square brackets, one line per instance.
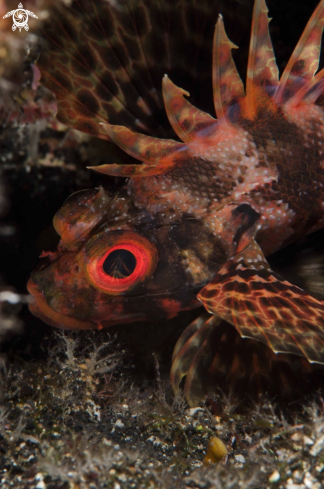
[192, 224]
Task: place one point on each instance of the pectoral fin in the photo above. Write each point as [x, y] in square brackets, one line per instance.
[192, 357]
[263, 306]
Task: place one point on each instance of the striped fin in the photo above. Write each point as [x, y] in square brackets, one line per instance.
[196, 384]
[304, 61]
[262, 306]
[158, 155]
[186, 120]
[227, 84]
[214, 357]
[314, 88]
[246, 369]
[191, 351]
[310, 92]
[104, 60]
[128, 171]
[262, 73]
[144, 148]
[189, 332]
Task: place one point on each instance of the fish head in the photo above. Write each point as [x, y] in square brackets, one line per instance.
[116, 264]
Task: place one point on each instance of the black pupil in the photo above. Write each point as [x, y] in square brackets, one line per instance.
[120, 264]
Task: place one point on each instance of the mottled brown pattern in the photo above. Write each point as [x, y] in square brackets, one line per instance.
[110, 57]
[296, 155]
[248, 294]
[211, 354]
[206, 211]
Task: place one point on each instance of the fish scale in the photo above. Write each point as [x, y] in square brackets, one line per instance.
[200, 215]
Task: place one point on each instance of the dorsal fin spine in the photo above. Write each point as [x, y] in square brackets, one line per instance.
[310, 30]
[227, 83]
[186, 120]
[172, 96]
[262, 68]
[129, 171]
[216, 70]
[144, 148]
[158, 155]
[310, 92]
[315, 88]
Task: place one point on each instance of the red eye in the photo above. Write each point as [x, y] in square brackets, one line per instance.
[117, 261]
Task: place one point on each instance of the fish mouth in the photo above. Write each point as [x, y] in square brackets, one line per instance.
[39, 308]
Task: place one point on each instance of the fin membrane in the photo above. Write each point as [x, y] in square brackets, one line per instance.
[262, 306]
[192, 354]
[262, 72]
[304, 61]
[214, 358]
[227, 84]
[188, 122]
[105, 60]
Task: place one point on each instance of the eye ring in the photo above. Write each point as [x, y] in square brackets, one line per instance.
[101, 246]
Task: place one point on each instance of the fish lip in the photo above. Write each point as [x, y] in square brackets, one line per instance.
[39, 308]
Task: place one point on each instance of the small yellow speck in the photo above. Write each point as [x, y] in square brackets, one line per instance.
[216, 451]
[3, 52]
[83, 366]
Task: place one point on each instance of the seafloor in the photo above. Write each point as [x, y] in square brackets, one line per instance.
[79, 419]
[95, 410]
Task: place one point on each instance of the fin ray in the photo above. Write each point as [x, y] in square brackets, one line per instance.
[188, 332]
[113, 58]
[310, 92]
[304, 61]
[128, 171]
[189, 347]
[196, 382]
[249, 295]
[186, 120]
[262, 73]
[227, 84]
[146, 148]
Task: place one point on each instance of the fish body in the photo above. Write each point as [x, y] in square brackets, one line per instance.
[194, 222]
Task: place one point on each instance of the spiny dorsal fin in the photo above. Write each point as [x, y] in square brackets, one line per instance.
[105, 59]
[227, 84]
[310, 92]
[129, 171]
[159, 155]
[303, 63]
[186, 120]
[262, 67]
[143, 148]
[314, 88]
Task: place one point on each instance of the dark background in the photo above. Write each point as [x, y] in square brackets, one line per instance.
[33, 192]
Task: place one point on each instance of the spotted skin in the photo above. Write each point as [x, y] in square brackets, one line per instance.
[202, 214]
[110, 58]
[261, 305]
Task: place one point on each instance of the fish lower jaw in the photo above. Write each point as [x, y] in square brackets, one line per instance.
[39, 308]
